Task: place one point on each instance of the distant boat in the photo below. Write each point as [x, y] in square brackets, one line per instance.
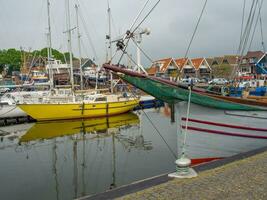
[92, 74]
[9, 100]
[9, 109]
[98, 105]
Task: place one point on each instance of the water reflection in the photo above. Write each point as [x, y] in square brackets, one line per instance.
[69, 159]
[98, 126]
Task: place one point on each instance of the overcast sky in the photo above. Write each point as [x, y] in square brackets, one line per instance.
[24, 24]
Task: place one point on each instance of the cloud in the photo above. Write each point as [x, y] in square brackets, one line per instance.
[24, 23]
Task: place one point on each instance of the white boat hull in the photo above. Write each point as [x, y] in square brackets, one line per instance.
[219, 133]
[11, 111]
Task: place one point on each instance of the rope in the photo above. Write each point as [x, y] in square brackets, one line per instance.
[131, 32]
[154, 126]
[88, 36]
[242, 24]
[186, 121]
[262, 39]
[146, 16]
[255, 25]
[245, 36]
[138, 46]
[194, 33]
[191, 40]
[139, 14]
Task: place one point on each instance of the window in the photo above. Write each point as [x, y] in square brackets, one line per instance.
[101, 99]
[244, 61]
[189, 70]
[204, 71]
[245, 69]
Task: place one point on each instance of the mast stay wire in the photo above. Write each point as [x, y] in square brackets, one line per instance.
[151, 122]
[127, 34]
[262, 38]
[131, 32]
[194, 33]
[145, 54]
[242, 23]
[124, 52]
[247, 30]
[256, 23]
[88, 36]
[245, 36]
[93, 30]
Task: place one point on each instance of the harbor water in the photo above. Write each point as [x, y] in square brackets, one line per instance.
[74, 158]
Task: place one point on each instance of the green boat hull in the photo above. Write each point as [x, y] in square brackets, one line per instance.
[172, 94]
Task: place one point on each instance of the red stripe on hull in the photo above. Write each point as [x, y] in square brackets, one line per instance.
[225, 133]
[225, 125]
[198, 161]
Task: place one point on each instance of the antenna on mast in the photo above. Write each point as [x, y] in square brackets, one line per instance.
[79, 46]
[108, 37]
[49, 48]
[69, 42]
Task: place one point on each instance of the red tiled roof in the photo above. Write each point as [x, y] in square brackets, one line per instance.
[180, 62]
[197, 62]
[165, 63]
[231, 59]
[254, 54]
[152, 70]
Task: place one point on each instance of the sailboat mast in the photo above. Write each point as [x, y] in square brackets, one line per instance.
[49, 48]
[69, 43]
[79, 45]
[110, 49]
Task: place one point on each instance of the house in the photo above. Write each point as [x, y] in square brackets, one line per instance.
[166, 68]
[231, 60]
[223, 66]
[186, 67]
[261, 65]
[248, 63]
[210, 61]
[202, 67]
[217, 61]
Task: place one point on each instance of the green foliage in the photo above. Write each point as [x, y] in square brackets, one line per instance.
[13, 58]
[222, 71]
[43, 52]
[10, 58]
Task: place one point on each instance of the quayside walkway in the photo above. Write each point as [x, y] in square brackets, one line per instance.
[240, 177]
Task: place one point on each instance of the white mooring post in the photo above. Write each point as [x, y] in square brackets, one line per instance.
[183, 169]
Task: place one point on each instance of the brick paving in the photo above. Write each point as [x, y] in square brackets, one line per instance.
[242, 179]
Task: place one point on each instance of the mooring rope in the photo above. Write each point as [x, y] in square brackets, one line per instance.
[186, 120]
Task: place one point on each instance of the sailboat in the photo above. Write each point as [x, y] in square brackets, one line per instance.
[97, 105]
[221, 115]
[91, 106]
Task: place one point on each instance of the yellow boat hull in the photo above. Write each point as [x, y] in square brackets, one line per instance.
[49, 130]
[44, 112]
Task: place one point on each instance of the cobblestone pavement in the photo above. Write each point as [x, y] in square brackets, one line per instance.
[243, 179]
